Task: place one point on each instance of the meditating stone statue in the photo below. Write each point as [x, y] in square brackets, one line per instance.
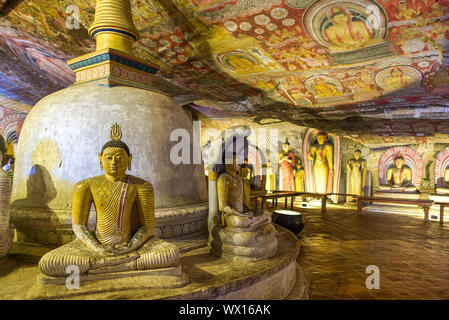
[398, 177]
[6, 234]
[238, 233]
[123, 239]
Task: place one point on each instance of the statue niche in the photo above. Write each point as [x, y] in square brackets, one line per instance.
[398, 177]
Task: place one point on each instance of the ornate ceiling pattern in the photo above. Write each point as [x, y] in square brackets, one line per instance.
[373, 70]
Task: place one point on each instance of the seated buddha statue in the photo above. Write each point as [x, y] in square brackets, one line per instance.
[237, 232]
[445, 188]
[398, 177]
[123, 239]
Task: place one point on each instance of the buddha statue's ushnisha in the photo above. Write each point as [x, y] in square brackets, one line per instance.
[239, 232]
[399, 176]
[123, 239]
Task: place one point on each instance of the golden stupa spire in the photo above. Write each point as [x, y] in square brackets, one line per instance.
[114, 26]
[113, 62]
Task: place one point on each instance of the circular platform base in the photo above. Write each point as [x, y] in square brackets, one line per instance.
[209, 278]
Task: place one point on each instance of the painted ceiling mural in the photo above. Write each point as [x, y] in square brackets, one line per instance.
[376, 71]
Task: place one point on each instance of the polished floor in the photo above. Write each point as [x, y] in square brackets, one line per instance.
[412, 256]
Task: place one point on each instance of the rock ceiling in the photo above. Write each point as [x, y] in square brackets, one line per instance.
[377, 71]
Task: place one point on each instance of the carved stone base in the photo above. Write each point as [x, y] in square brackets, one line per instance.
[56, 288]
[244, 245]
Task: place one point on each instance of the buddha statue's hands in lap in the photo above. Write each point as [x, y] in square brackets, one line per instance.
[398, 177]
[123, 238]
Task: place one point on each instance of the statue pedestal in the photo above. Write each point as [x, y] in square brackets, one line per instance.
[395, 207]
[210, 278]
[56, 288]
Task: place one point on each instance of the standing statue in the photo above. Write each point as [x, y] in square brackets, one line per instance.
[356, 174]
[246, 173]
[238, 233]
[299, 177]
[6, 233]
[286, 166]
[270, 183]
[322, 154]
[123, 238]
[399, 176]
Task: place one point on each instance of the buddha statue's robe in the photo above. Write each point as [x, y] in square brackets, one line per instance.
[123, 207]
[6, 234]
[237, 233]
[286, 173]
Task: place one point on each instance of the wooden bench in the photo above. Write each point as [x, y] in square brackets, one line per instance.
[322, 196]
[442, 206]
[274, 195]
[422, 203]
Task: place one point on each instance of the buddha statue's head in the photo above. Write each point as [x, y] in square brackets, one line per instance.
[339, 15]
[286, 146]
[399, 161]
[321, 137]
[357, 154]
[396, 72]
[115, 157]
[231, 163]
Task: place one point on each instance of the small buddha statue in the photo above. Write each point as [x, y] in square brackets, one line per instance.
[123, 239]
[398, 177]
[246, 173]
[240, 233]
[299, 177]
[6, 234]
[270, 182]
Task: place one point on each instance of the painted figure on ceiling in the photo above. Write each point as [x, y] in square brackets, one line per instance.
[325, 89]
[286, 163]
[344, 33]
[398, 80]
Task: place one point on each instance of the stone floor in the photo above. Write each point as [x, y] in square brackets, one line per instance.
[412, 256]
